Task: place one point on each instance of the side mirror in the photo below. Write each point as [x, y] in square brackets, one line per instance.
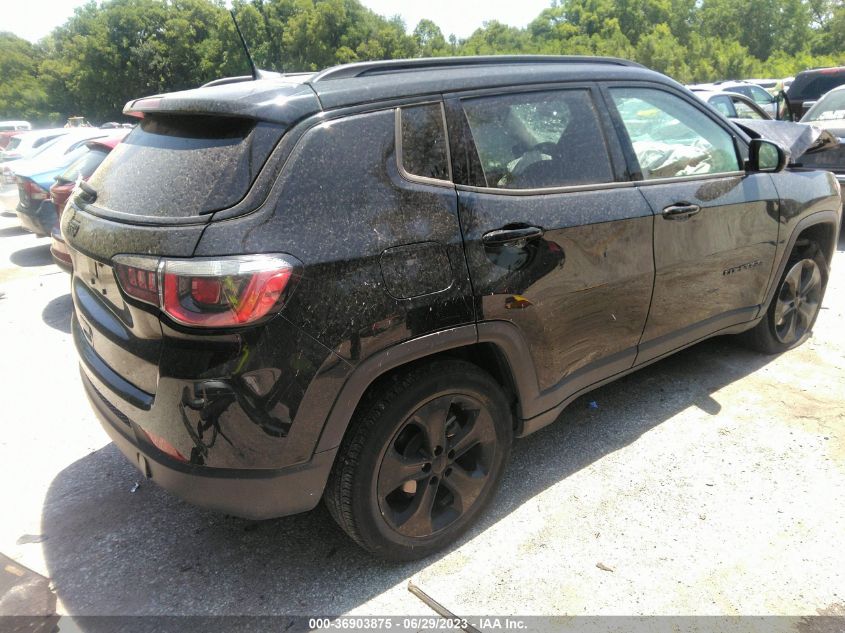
[765, 156]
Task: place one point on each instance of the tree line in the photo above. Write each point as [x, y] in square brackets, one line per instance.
[110, 52]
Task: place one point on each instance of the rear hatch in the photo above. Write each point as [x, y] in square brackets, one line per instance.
[193, 154]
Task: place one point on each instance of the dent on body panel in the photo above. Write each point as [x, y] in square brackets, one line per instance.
[236, 396]
[581, 293]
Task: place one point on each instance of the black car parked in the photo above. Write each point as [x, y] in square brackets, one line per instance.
[811, 85]
[361, 284]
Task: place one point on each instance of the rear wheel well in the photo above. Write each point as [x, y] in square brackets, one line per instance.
[485, 356]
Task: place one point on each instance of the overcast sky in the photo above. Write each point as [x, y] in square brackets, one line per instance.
[33, 19]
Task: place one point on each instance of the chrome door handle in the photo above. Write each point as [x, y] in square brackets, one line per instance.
[679, 211]
[503, 236]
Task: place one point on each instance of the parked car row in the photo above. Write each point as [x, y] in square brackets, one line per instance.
[8, 129]
[82, 168]
[755, 93]
[814, 97]
[788, 99]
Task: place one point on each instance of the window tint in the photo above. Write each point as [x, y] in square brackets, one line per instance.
[755, 93]
[424, 142]
[671, 137]
[829, 108]
[745, 111]
[182, 165]
[539, 139]
[759, 95]
[83, 166]
[723, 105]
[814, 85]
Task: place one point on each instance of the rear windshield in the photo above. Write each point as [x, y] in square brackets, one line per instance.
[83, 166]
[814, 85]
[182, 166]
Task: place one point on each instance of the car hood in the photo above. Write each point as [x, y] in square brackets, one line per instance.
[796, 138]
[834, 126]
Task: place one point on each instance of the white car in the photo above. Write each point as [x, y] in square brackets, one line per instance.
[733, 105]
[15, 126]
[23, 145]
[53, 151]
[754, 92]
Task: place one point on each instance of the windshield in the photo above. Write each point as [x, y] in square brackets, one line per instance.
[830, 108]
[83, 166]
[759, 95]
[13, 143]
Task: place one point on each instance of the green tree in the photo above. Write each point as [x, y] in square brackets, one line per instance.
[22, 96]
[430, 41]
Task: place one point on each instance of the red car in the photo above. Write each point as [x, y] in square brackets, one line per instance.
[61, 190]
[6, 136]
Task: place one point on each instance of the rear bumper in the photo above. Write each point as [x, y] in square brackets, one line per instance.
[40, 220]
[59, 252]
[251, 494]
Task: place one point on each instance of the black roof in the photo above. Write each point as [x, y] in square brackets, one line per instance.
[286, 98]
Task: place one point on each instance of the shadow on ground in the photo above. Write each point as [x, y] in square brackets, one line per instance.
[32, 256]
[109, 551]
[12, 231]
[57, 313]
[8, 214]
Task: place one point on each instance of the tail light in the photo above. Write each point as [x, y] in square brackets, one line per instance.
[210, 293]
[33, 191]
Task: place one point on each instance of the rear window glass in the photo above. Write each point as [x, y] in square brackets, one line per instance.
[424, 142]
[814, 85]
[182, 166]
[84, 166]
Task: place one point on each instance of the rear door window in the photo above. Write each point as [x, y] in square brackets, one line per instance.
[182, 166]
[671, 137]
[422, 140]
[539, 140]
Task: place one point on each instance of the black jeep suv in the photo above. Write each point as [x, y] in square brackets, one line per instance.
[361, 284]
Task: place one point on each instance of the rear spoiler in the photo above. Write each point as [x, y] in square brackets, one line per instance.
[275, 99]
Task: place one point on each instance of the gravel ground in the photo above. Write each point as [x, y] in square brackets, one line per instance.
[711, 483]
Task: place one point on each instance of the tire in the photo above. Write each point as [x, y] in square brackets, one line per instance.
[423, 456]
[795, 306]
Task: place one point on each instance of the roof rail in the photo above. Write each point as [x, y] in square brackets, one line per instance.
[359, 69]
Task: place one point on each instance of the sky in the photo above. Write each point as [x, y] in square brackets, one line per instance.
[33, 19]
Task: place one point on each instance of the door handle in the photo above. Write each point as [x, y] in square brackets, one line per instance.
[503, 236]
[681, 210]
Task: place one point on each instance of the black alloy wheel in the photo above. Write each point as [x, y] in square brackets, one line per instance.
[422, 457]
[436, 465]
[798, 301]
